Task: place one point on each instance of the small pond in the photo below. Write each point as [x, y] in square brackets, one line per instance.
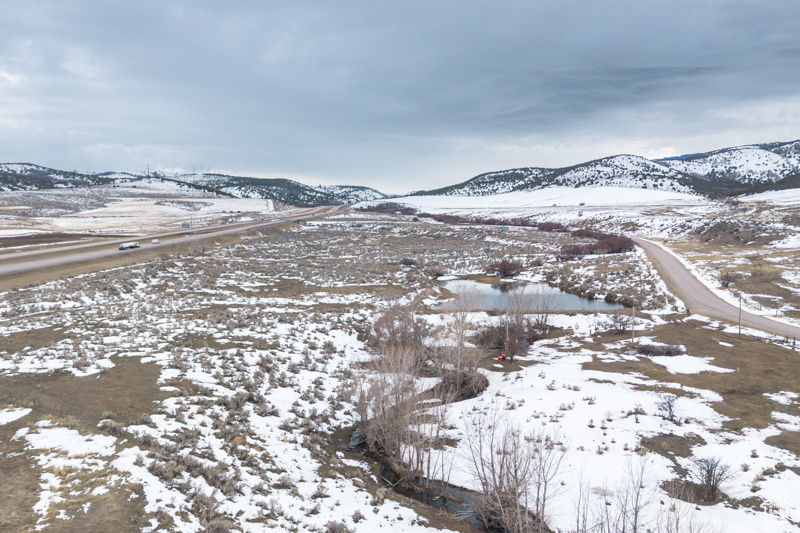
[520, 295]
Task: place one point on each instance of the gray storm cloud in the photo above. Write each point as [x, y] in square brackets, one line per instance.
[394, 95]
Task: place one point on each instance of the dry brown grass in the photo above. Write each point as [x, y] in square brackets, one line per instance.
[128, 389]
[760, 367]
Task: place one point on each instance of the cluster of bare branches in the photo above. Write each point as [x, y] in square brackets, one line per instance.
[400, 422]
[633, 507]
[516, 472]
[399, 329]
[526, 321]
[506, 268]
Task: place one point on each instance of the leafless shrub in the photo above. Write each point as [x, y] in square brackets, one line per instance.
[437, 270]
[165, 471]
[219, 525]
[727, 278]
[653, 350]
[459, 371]
[267, 409]
[320, 492]
[506, 268]
[144, 420]
[512, 335]
[399, 329]
[113, 428]
[337, 527]
[620, 323]
[525, 323]
[285, 482]
[204, 507]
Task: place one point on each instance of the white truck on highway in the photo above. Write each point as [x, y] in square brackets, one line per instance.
[128, 245]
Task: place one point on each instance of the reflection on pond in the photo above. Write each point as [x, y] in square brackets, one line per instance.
[519, 296]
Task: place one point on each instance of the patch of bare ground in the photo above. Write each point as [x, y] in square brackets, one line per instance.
[128, 389]
[759, 368]
[788, 440]
[19, 490]
[125, 392]
[33, 339]
[670, 446]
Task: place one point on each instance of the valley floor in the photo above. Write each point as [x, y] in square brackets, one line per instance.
[216, 391]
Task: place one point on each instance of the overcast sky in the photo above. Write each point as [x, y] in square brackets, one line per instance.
[399, 96]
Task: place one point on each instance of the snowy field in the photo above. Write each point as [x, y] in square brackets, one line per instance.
[558, 197]
[712, 237]
[259, 349]
[143, 207]
[141, 214]
[135, 215]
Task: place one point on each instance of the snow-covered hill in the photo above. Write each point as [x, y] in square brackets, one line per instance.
[718, 173]
[746, 164]
[351, 194]
[25, 177]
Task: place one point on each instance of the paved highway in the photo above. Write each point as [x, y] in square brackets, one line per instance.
[88, 252]
[699, 299]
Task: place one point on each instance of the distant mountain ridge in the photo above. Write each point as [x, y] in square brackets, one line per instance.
[26, 176]
[737, 170]
[724, 172]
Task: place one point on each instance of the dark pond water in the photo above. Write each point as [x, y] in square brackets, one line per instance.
[520, 295]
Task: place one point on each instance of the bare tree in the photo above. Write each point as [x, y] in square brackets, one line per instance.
[466, 302]
[544, 303]
[666, 406]
[426, 442]
[399, 328]
[385, 403]
[515, 472]
[710, 473]
[636, 494]
[581, 507]
[547, 451]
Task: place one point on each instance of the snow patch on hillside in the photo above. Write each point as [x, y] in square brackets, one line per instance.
[551, 197]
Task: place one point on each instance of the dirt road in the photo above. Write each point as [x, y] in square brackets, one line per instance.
[699, 299]
[82, 253]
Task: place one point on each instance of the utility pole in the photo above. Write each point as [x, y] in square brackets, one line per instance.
[740, 312]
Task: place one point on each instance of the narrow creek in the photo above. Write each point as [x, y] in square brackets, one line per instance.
[455, 500]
